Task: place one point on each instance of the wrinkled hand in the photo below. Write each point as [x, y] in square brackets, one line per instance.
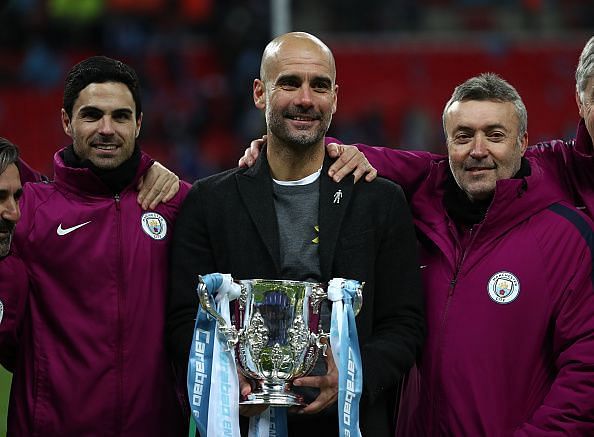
[159, 184]
[251, 153]
[245, 388]
[328, 385]
[349, 158]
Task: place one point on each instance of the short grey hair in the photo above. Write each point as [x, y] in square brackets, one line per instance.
[492, 87]
[585, 68]
[9, 154]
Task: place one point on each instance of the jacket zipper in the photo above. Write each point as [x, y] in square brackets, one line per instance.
[451, 289]
[119, 334]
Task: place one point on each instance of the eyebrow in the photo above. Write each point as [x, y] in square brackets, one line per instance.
[488, 127]
[5, 192]
[91, 109]
[289, 77]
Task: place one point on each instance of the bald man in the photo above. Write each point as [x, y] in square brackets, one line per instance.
[284, 218]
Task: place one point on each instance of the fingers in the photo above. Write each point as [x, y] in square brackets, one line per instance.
[333, 150]
[350, 160]
[371, 175]
[156, 186]
[328, 385]
[251, 153]
[324, 400]
[309, 381]
[245, 388]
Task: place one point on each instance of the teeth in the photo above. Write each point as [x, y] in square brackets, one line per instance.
[105, 147]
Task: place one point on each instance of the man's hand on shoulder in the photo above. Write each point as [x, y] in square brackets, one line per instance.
[252, 152]
[159, 184]
[349, 160]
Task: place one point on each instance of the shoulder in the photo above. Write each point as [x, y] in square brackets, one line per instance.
[562, 231]
[217, 183]
[564, 215]
[379, 190]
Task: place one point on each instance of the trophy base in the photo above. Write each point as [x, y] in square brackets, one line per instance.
[274, 399]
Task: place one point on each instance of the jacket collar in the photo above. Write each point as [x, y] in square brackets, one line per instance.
[255, 188]
[84, 181]
[583, 141]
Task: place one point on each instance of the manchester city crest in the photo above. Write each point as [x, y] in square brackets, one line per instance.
[503, 287]
[154, 225]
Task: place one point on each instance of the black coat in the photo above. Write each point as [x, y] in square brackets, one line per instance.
[228, 225]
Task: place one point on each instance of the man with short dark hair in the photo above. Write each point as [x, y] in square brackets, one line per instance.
[91, 358]
[507, 267]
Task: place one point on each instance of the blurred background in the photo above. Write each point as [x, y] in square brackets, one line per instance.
[397, 61]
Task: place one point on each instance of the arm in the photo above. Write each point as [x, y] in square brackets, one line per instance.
[407, 168]
[348, 161]
[398, 306]
[567, 408]
[570, 164]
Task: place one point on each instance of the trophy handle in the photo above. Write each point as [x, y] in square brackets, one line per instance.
[318, 341]
[358, 299]
[206, 301]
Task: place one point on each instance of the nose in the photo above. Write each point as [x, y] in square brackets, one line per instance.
[479, 149]
[304, 97]
[106, 126]
[10, 210]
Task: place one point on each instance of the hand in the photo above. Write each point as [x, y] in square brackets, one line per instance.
[159, 184]
[349, 159]
[251, 153]
[245, 388]
[328, 385]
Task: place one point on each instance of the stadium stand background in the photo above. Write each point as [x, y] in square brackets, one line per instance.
[397, 61]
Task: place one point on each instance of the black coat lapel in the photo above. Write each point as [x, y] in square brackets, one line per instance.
[255, 189]
[334, 201]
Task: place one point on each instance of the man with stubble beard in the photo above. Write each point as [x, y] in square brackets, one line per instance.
[285, 219]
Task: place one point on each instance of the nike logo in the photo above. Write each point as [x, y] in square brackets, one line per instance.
[61, 231]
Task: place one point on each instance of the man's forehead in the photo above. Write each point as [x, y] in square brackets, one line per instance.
[481, 112]
[298, 55]
[98, 94]
[10, 179]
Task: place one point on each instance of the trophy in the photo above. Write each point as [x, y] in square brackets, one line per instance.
[276, 334]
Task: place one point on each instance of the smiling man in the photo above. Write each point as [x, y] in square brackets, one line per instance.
[508, 274]
[91, 356]
[285, 219]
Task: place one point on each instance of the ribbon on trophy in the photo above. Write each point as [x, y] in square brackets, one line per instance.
[345, 347]
[272, 421]
[213, 386]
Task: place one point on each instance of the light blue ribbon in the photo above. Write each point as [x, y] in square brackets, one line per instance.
[271, 422]
[212, 375]
[345, 346]
[200, 362]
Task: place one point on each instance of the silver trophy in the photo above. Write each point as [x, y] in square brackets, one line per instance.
[276, 333]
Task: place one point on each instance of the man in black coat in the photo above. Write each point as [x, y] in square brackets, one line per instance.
[285, 219]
